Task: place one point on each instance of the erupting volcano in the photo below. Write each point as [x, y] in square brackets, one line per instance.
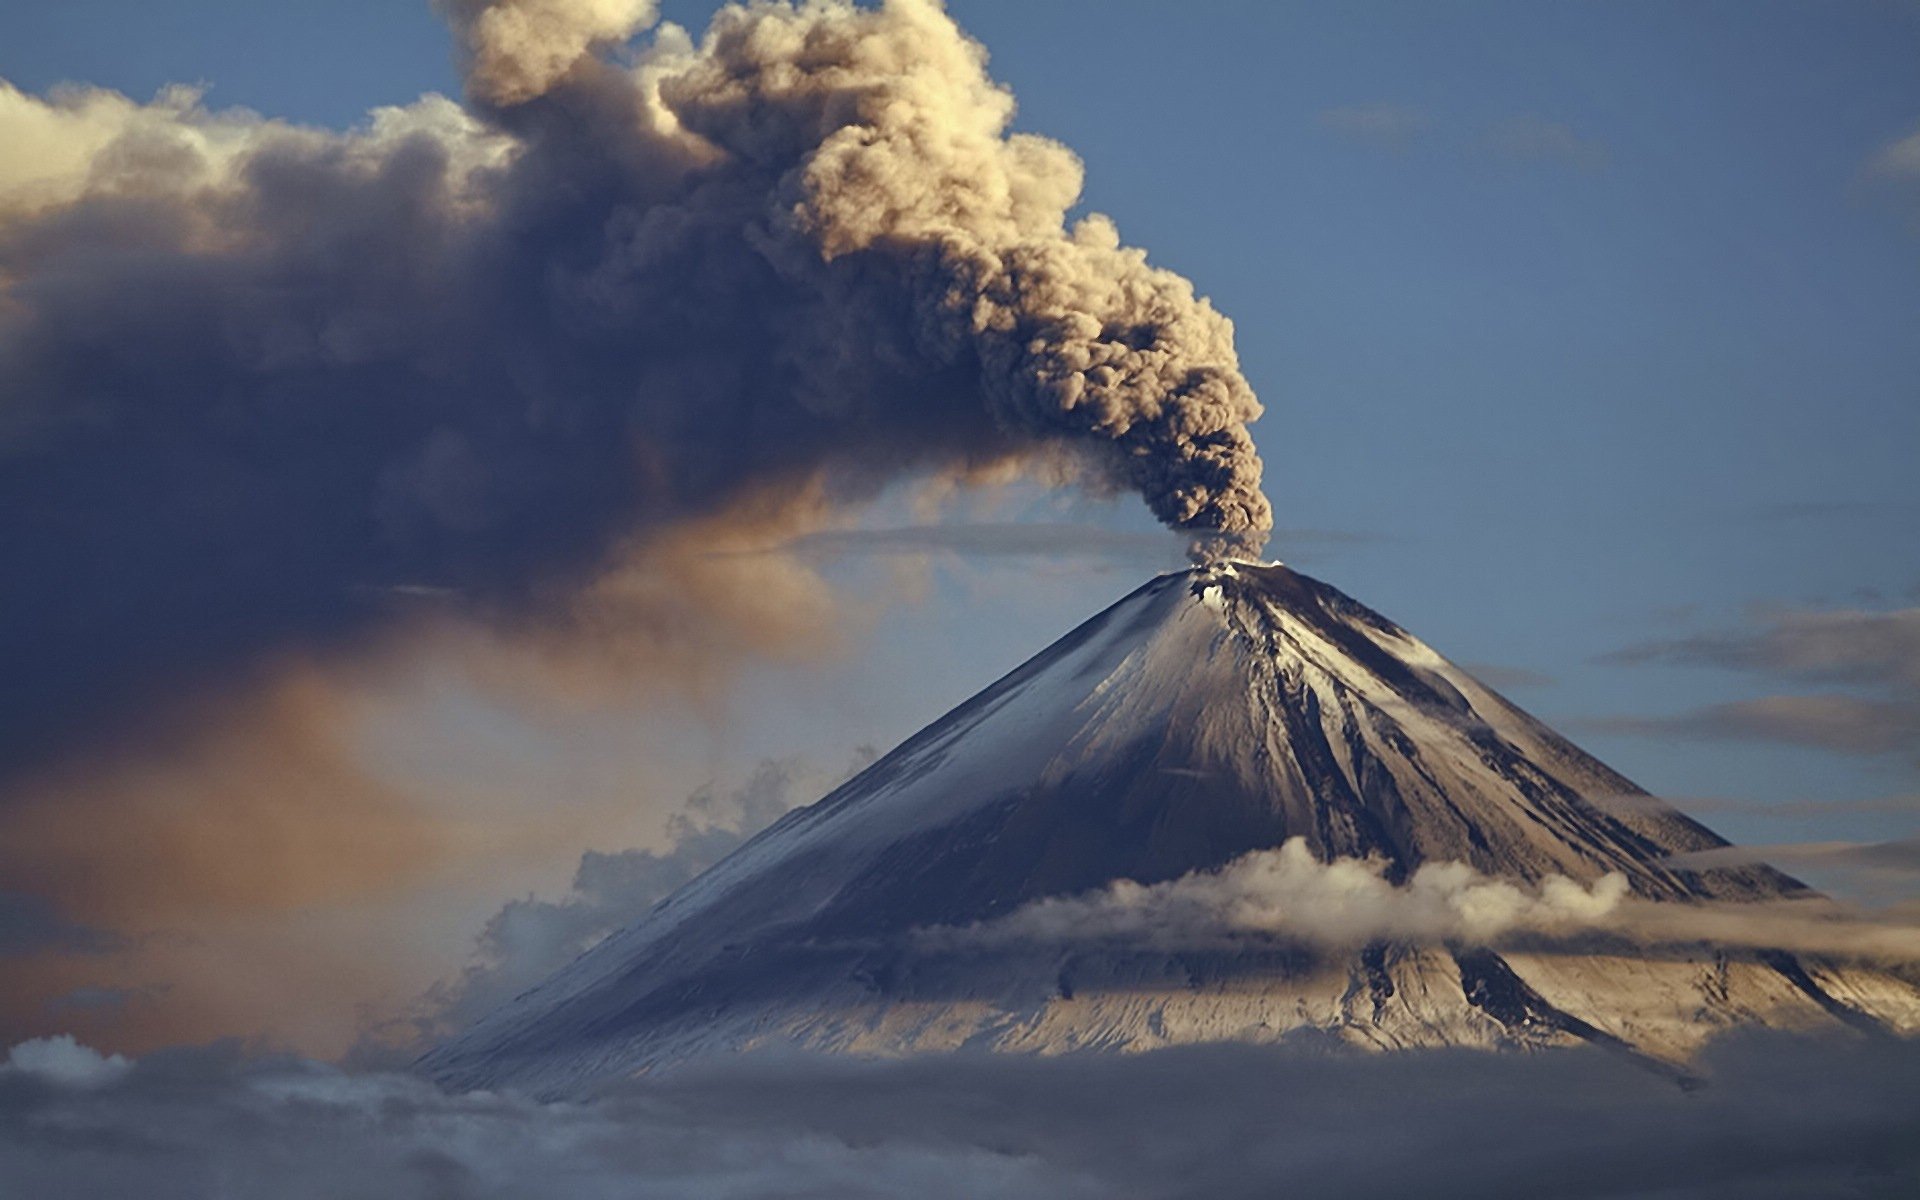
[1219, 731]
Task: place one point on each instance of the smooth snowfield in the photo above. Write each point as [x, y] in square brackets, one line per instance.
[1210, 715]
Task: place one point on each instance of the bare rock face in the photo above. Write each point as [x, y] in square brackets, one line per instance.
[1209, 715]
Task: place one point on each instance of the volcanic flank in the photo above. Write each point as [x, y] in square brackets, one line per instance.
[1236, 805]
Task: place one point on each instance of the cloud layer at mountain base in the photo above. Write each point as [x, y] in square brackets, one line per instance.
[1778, 1117]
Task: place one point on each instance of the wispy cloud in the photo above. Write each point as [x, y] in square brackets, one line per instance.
[1875, 654]
[1901, 856]
[1501, 676]
[1843, 724]
[1883, 873]
[1892, 175]
[1898, 159]
[1393, 126]
[1842, 646]
[1523, 138]
[1534, 139]
[1906, 805]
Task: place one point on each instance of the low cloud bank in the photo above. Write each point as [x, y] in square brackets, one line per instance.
[1779, 1117]
[1349, 902]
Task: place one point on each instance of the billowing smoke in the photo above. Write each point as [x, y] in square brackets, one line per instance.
[270, 389]
[519, 48]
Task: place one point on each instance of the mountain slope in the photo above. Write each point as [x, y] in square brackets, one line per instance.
[1209, 714]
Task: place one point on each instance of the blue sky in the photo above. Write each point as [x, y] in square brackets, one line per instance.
[1580, 328]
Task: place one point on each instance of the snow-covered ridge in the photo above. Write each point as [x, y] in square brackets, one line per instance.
[1210, 715]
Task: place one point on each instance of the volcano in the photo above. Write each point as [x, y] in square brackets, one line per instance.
[1211, 714]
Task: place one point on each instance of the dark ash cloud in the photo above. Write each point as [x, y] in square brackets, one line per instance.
[1778, 1118]
[257, 380]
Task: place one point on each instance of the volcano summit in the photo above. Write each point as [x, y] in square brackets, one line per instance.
[1236, 805]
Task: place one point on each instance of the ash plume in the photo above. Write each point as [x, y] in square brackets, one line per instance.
[256, 376]
[517, 49]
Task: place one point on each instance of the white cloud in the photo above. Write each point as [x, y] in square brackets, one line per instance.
[62, 1060]
[1287, 893]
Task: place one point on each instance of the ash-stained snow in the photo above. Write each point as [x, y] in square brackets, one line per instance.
[1209, 714]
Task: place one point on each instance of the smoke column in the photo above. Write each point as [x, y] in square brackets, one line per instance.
[256, 379]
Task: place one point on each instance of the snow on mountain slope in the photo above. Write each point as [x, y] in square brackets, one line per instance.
[1210, 714]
